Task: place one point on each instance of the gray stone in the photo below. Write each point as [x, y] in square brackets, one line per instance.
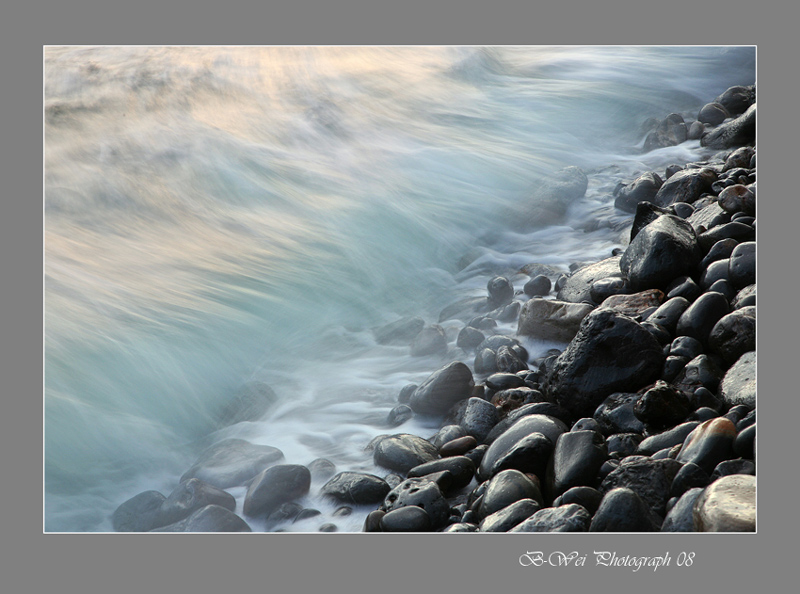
[406, 519]
[404, 451]
[356, 487]
[444, 388]
[680, 518]
[188, 497]
[139, 513]
[431, 340]
[727, 505]
[578, 286]
[738, 386]
[734, 133]
[623, 510]
[577, 458]
[505, 519]
[461, 468]
[505, 488]
[650, 479]
[210, 518]
[275, 486]
[734, 334]
[710, 443]
[478, 418]
[423, 493]
[685, 186]
[642, 189]
[565, 518]
[550, 319]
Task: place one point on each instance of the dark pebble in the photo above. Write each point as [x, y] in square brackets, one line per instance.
[538, 285]
[700, 317]
[399, 415]
[666, 439]
[461, 468]
[356, 487]
[570, 517]
[403, 451]
[372, 523]
[232, 462]
[721, 250]
[743, 265]
[709, 444]
[689, 476]
[469, 338]
[190, 496]
[275, 486]
[505, 519]
[458, 446]
[139, 513]
[505, 488]
[576, 459]
[406, 519]
[668, 314]
[744, 445]
[406, 392]
[680, 517]
[622, 510]
[420, 492]
[683, 286]
[737, 466]
[587, 497]
[686, 346]
[621, 445]
[615, 414]
[649, 478]
[662, 406]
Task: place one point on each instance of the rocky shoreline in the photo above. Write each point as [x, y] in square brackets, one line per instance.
[644, 422]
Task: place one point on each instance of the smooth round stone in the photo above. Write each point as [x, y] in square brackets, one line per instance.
[529, 455]
[683, 286]
[190, 496]
[458, 446]
[406, 519]
[666, 439]
[742, 266]
[404, 451]
[431, 340]
[476, 454]
[689, 476]
[737, 413]
[672, 367]
[680, 517]
[421, 492]
[232, 462]
[505, 488]
[485, 361]
[447, 433]
[508, 313]
[700, 317]
[399, 415]
[587, 497]
[734, 334]
[548, 426]
[728, 467]
[702, 371]
[461, 468]
[636, 305]
[727, 505]
[668, 314]
[744, 445]
[738, 199]
[695, 132]
[275, 486]
[604, 288]
[342, 512]
[539, 285]
[478, 418]
[738, 386]
[686, 346]
[577, 458]
[683, 209]
[443, 388]
[469, 338]
[570, 517]
[746, 421]
[504, 381]
[356, 487]
[329, 528]
[737, 99]
[735, 230]
[576, 288]
[505, 519]
[210, 518]
[500, 290]
[713, 114]
[508, 361]
[716, 271]
[615, 414]
[642, 189]
[724, 287]
[406, 392]
[709, 444]
[621, 445]
[704, 413]
[139, 513]
[650, 478]
[719, 251]
[372, 523]
[623, 510]
[587, 424]
[483, 323]
[744, 298]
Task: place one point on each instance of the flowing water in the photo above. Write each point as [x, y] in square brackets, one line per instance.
[218, 215]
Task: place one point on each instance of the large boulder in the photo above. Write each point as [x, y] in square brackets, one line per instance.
[550, 319]
[611, 353]
[733, 133]
[445, 387]
[685, 186]
[663, 250]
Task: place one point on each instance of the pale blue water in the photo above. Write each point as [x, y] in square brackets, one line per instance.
[214, 215]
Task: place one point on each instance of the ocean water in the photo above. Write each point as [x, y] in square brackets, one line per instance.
[218, 215]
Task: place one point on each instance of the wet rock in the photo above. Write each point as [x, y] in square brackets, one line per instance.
[671, 131]
[190, 496]
[713, 114]
[458, 446]
[461, 468]
[668, 314]
[423, 493]
[539, 285]
[683, 286]
[444, 388]
[734, 335]
[285, 512]
[232, 462]
[604, 288]
[615, 414]
[700, 317]
[729, 467]
[504, 381]
[642, 189]
[505, 519]
[715, 272]
[570, 517]
[621, 445]
[708, 217]
[275, 486]
[372, 523]
[577, 288]
[447, 433]
[477, 453]
[549, 427]
[709, 444]
[696, 130]
[742, 267]
[738, 198]
[406, 519]
[734, 133]
[737, 99]
[727, 505]
[740, 158]
[733, 230]
[690, 476]
[666, 439]
[680, 517]
[404, 451]
[663, 250]
[738, 386]
[744, 445]
[662, 406]
[646, 213]
[250, 403]
[505, 488]
[549, 319]
[485, 361]
[478, 418]
[469, 338]
[210, 518]
[611, 353]
[650, 479]
[431, 340]
[634, 305]
[400, 332]
[719, 251]
[356, 487]
[405, 393]
[587, 497]
[529, 455]
[685, 186]
[701, 371]
[501, 291]
[622, 510]
[140, 513]
[576, 460]
[508, 361]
